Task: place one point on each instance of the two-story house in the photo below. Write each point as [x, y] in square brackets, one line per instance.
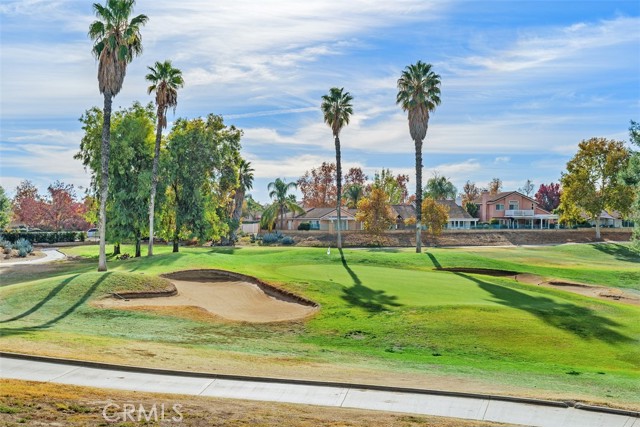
[514, 210]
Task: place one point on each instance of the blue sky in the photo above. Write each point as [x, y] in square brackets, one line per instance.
[523, 82]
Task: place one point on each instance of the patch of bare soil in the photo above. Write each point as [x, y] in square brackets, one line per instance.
[225, 295]
[594, 291]
[16, 259]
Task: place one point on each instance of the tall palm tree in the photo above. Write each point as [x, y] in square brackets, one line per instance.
[165, 82]
[245, 175]
[116, 41]
[418, 95]
[353, 194]
[337, 109]
[282, 200]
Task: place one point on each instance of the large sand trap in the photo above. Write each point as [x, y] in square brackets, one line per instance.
[229, 297]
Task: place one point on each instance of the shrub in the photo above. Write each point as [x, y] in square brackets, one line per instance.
[23, 246]
[287, 240]
[270, 238]
[304, 226]
[43, 237]
[6, 247]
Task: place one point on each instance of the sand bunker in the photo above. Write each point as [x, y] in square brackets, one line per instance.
[594, 291]
[227, 295]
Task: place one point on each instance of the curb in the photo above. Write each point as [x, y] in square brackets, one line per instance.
[192, 374]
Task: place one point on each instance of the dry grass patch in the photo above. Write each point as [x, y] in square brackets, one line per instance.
[27, 403]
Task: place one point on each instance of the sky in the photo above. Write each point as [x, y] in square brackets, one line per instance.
[523, 82]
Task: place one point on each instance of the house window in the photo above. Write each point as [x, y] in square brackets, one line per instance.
[314, 225]
[499, 207]
[514, 205]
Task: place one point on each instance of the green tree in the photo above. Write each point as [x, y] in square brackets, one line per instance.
[5, 209]
[395, 187]
[435, 216]
[353, 194]
[250, 208]
[418, 95]
[337, 110]
[165, 82]
[129, 169]
[374, 212]
[439, 187]
[130, 174]
[283, 202]
[631, 176]
[116, 41]
[245, 183]
[198, 166]
[591, 182]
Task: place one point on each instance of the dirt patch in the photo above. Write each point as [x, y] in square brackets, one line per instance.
[227, 295]
[594, 291]
[15, 259]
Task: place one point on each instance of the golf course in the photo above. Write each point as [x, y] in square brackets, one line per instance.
[389, 317]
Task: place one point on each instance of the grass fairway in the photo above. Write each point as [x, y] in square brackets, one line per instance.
[386, 317]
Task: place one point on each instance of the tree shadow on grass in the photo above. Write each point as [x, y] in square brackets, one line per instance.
[619, 252]
[362, 296]
[36, 307]
[580, 321]
[434, 260]
[83, 299]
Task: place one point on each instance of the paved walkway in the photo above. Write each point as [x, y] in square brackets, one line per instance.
[526, 412]
[50, 255]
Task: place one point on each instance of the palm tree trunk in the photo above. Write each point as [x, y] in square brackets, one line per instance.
[418, 196]
[281, 217]
[104, 181]
[154, 179]
[339, 187]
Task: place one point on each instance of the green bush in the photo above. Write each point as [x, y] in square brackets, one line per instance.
[287, 240]
[304, 226]
[270, 238]
[43, 237]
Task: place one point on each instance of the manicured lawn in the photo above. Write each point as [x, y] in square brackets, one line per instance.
[386, 317]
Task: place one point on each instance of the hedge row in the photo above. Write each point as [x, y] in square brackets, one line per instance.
[44, 237]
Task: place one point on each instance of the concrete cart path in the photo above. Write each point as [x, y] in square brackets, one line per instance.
[50, 255]
[527, 412]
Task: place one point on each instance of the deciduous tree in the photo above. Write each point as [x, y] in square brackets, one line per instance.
[527, 188]
[495, 186]
[470, 192]
[395, 187]
[375, 212]
[435, 216]
[591, 182]
[28, 205]
[548, 196]
[631, 177]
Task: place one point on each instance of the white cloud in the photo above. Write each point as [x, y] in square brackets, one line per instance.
[501, 159]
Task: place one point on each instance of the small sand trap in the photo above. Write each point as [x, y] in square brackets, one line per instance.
[227, 297]
[594, 291]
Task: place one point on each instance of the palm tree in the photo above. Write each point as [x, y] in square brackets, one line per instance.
[283, 201]
[353, 194]
[337, 109]
[439, 188]
[418, 95]
[245, 175]
[165, 81]
[116, 41]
